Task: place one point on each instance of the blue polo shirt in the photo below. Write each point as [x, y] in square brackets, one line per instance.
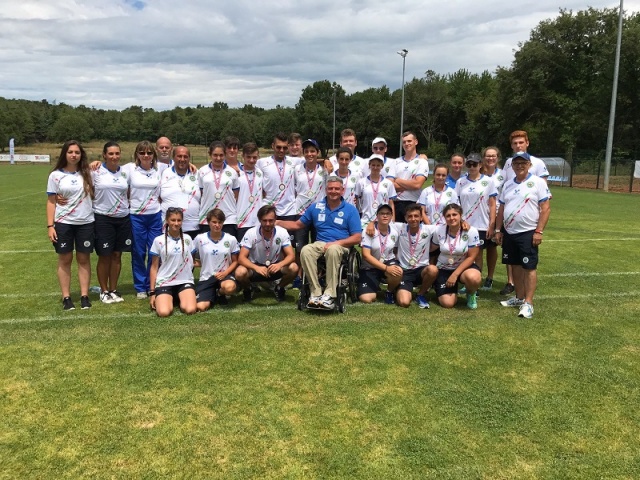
[332, 225]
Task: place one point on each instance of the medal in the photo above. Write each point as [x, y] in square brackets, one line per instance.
[267, 263]
[251, 199]
[375, 205]
[412, 261]
[412, 246]
[436, 216]
[450, 261]
[282, 187]
[218, 195]
[250, 183]
[374, 189]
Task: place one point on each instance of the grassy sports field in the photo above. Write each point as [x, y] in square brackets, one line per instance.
[265, 391]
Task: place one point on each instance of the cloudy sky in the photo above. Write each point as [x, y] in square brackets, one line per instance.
[163, 53]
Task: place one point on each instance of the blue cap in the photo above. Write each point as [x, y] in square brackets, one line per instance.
[312, 142]
[524, 155]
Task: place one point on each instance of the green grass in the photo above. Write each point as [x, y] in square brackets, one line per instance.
[265, 391]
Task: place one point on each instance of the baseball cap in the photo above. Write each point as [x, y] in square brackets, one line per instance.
[524, 155]
[384, 206]
[378, 140]
[472, 158]
[375, 156]
[310, 142]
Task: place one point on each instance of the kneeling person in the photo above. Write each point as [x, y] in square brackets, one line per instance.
[218, 257]
[266, 255]
[379, 261]
[456, 262]
[171, 272]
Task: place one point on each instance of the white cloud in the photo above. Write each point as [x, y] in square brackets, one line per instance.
[163, 53]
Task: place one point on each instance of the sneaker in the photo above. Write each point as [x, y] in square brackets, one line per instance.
[117, 296]
[221, 299]
[247, 294]
[279, 293]
[462, 290]
[512, 302]
[327, 302]
[389, 298]
[488, 284]
[105, 297]
[526, 310]
[422, 301]
[141, 295]
[508, 289]
[297, 283]
[314, 301]
[472, 301]
[67, 304]
[84, 302]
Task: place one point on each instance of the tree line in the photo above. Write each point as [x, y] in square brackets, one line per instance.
[558, 88]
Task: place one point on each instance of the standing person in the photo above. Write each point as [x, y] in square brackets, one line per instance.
[310, 188]
[338, 225]
[171, 271]
[433, 199]
[266, 255]
[455, 169]
[179, 188]
[523, 213]
[279, 184]
[458, 251]
[490, 167]
[250, 182]
[144, 208]
[71, 226]
[379, 260]
[411, 173]
[219, 186]
[519, 141]
[379, 147]
[373, 191]
[163, 151]
[478, 194]
[112, 222]
[348, 139]
[349, 177]
[217, 252]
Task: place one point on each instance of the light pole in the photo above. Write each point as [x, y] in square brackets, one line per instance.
[612, 111]
[403, 54]
[334, 117]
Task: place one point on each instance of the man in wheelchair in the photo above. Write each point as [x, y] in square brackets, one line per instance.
[338, 228]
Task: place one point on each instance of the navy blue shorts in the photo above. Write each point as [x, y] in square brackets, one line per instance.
[74, 237]
[440, 285]
[411, 278]
[518, 249]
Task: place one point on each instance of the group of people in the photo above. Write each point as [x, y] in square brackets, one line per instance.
[270, 219]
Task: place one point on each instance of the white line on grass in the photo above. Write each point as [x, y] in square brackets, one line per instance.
[9, 252]
[21, 196]
[587, 274]
[629, 239]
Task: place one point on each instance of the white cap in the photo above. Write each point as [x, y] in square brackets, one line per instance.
[378, 140]
[375, 156]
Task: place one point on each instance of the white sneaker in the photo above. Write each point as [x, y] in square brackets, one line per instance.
[105, 297]
[512, 302]
[526, 310]
[314, 301]
[117, 298]
[327, 302]
[141, 295]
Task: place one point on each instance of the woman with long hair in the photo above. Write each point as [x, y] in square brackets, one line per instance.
[171, 273]
[71, 226]
[113, 225]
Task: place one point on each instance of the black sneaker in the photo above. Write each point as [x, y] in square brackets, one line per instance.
[67, 304]
[247, 294]
[84, 302]
[279, 293]
[508, 289]
[221, 299]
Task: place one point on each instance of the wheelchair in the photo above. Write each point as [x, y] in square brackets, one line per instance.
[347, 288]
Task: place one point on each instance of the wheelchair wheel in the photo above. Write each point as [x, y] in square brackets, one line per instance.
[341, 302]
[353, 274]
[303, 296]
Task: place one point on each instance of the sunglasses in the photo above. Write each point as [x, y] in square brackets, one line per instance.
[145, 153]
[472, 164]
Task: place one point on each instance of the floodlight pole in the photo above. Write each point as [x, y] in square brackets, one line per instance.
[403, 54]
[614, 96]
